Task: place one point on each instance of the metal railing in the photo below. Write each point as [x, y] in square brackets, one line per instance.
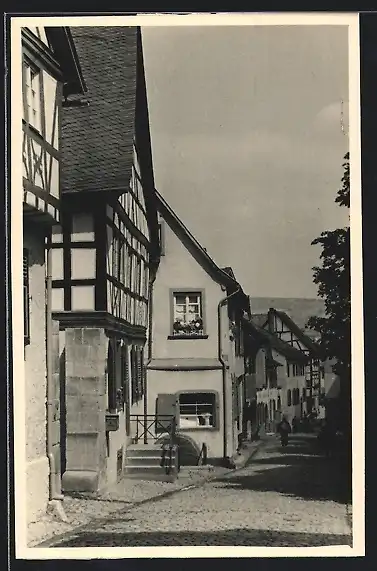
[152, 427]
[202, 458]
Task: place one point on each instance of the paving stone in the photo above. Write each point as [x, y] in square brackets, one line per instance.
[284, 497]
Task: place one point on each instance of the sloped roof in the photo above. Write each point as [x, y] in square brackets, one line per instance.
[97, 140]
[220, 275]
[310, 344]
[298, 309]
[271, 340]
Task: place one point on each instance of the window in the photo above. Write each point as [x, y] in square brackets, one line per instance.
[33, 97]
[289, 397]
[249, 365]
[26, 297]
[197, 410]
[187, 314]
[288, 369]
[116, 258]
[295, 396]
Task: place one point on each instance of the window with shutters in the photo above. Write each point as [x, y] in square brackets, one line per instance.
[26, 293]
[198, 410]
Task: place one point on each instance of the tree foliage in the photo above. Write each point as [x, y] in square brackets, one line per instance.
[334, 280]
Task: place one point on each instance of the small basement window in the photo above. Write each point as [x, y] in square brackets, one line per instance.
[197, 410]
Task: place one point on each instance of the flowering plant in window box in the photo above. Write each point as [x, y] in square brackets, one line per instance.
[194, 327]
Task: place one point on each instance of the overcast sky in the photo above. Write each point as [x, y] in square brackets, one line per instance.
[247, 143]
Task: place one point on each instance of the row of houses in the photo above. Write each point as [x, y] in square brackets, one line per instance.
[131, 329]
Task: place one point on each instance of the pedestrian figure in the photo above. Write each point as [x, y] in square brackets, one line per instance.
[326, 438]
[294, 424]
[284, 428]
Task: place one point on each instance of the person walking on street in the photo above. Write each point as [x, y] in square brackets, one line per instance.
[326, 438]
[284, 428]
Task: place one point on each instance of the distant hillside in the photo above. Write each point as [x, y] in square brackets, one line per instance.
[298, 309]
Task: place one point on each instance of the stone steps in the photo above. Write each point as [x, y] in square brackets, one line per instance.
[143, 461]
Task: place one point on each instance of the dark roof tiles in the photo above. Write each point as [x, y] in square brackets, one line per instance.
[97, 140]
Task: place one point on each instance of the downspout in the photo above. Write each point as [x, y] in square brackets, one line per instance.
[223, 364]
[55, 491]
[150, 342]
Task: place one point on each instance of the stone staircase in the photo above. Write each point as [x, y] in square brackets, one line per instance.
[151, 462]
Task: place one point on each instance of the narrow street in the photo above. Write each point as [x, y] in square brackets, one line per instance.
[288, 497]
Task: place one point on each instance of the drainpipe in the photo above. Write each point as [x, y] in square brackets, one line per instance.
[55, 491]
[220, 305]
[150, 321]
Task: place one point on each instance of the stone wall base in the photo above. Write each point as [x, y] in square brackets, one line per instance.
[37, 488]
[80, 481]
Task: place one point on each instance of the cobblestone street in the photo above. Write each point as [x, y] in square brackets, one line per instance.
[289, 497]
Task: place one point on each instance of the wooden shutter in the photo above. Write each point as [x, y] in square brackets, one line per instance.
[134, 383]
[139, 366]
[166, 404]
[126, 387]
[26, 297]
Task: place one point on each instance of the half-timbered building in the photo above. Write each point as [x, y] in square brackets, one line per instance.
[50, 72]
[105, 255]
[291, 367]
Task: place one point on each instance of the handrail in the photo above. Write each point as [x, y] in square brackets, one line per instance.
[164, 423]
[203, 453]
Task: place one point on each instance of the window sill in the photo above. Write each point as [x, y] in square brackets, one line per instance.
[193, 336]
[195, 428]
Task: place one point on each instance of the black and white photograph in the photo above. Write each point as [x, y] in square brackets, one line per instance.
[185, 215]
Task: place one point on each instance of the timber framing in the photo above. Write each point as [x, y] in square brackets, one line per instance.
[100, 319]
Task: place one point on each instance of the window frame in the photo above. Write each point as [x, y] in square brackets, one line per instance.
[215, 412]
[173, 292]
[31, 70]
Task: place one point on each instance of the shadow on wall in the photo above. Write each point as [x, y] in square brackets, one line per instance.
[63, 412]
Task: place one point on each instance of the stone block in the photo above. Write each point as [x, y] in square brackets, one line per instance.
[82, 451]
[72, 386]
[90, 420]
[80, 481]
[85, 368]
[73, 336]
[73, 421]
[92, 336]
